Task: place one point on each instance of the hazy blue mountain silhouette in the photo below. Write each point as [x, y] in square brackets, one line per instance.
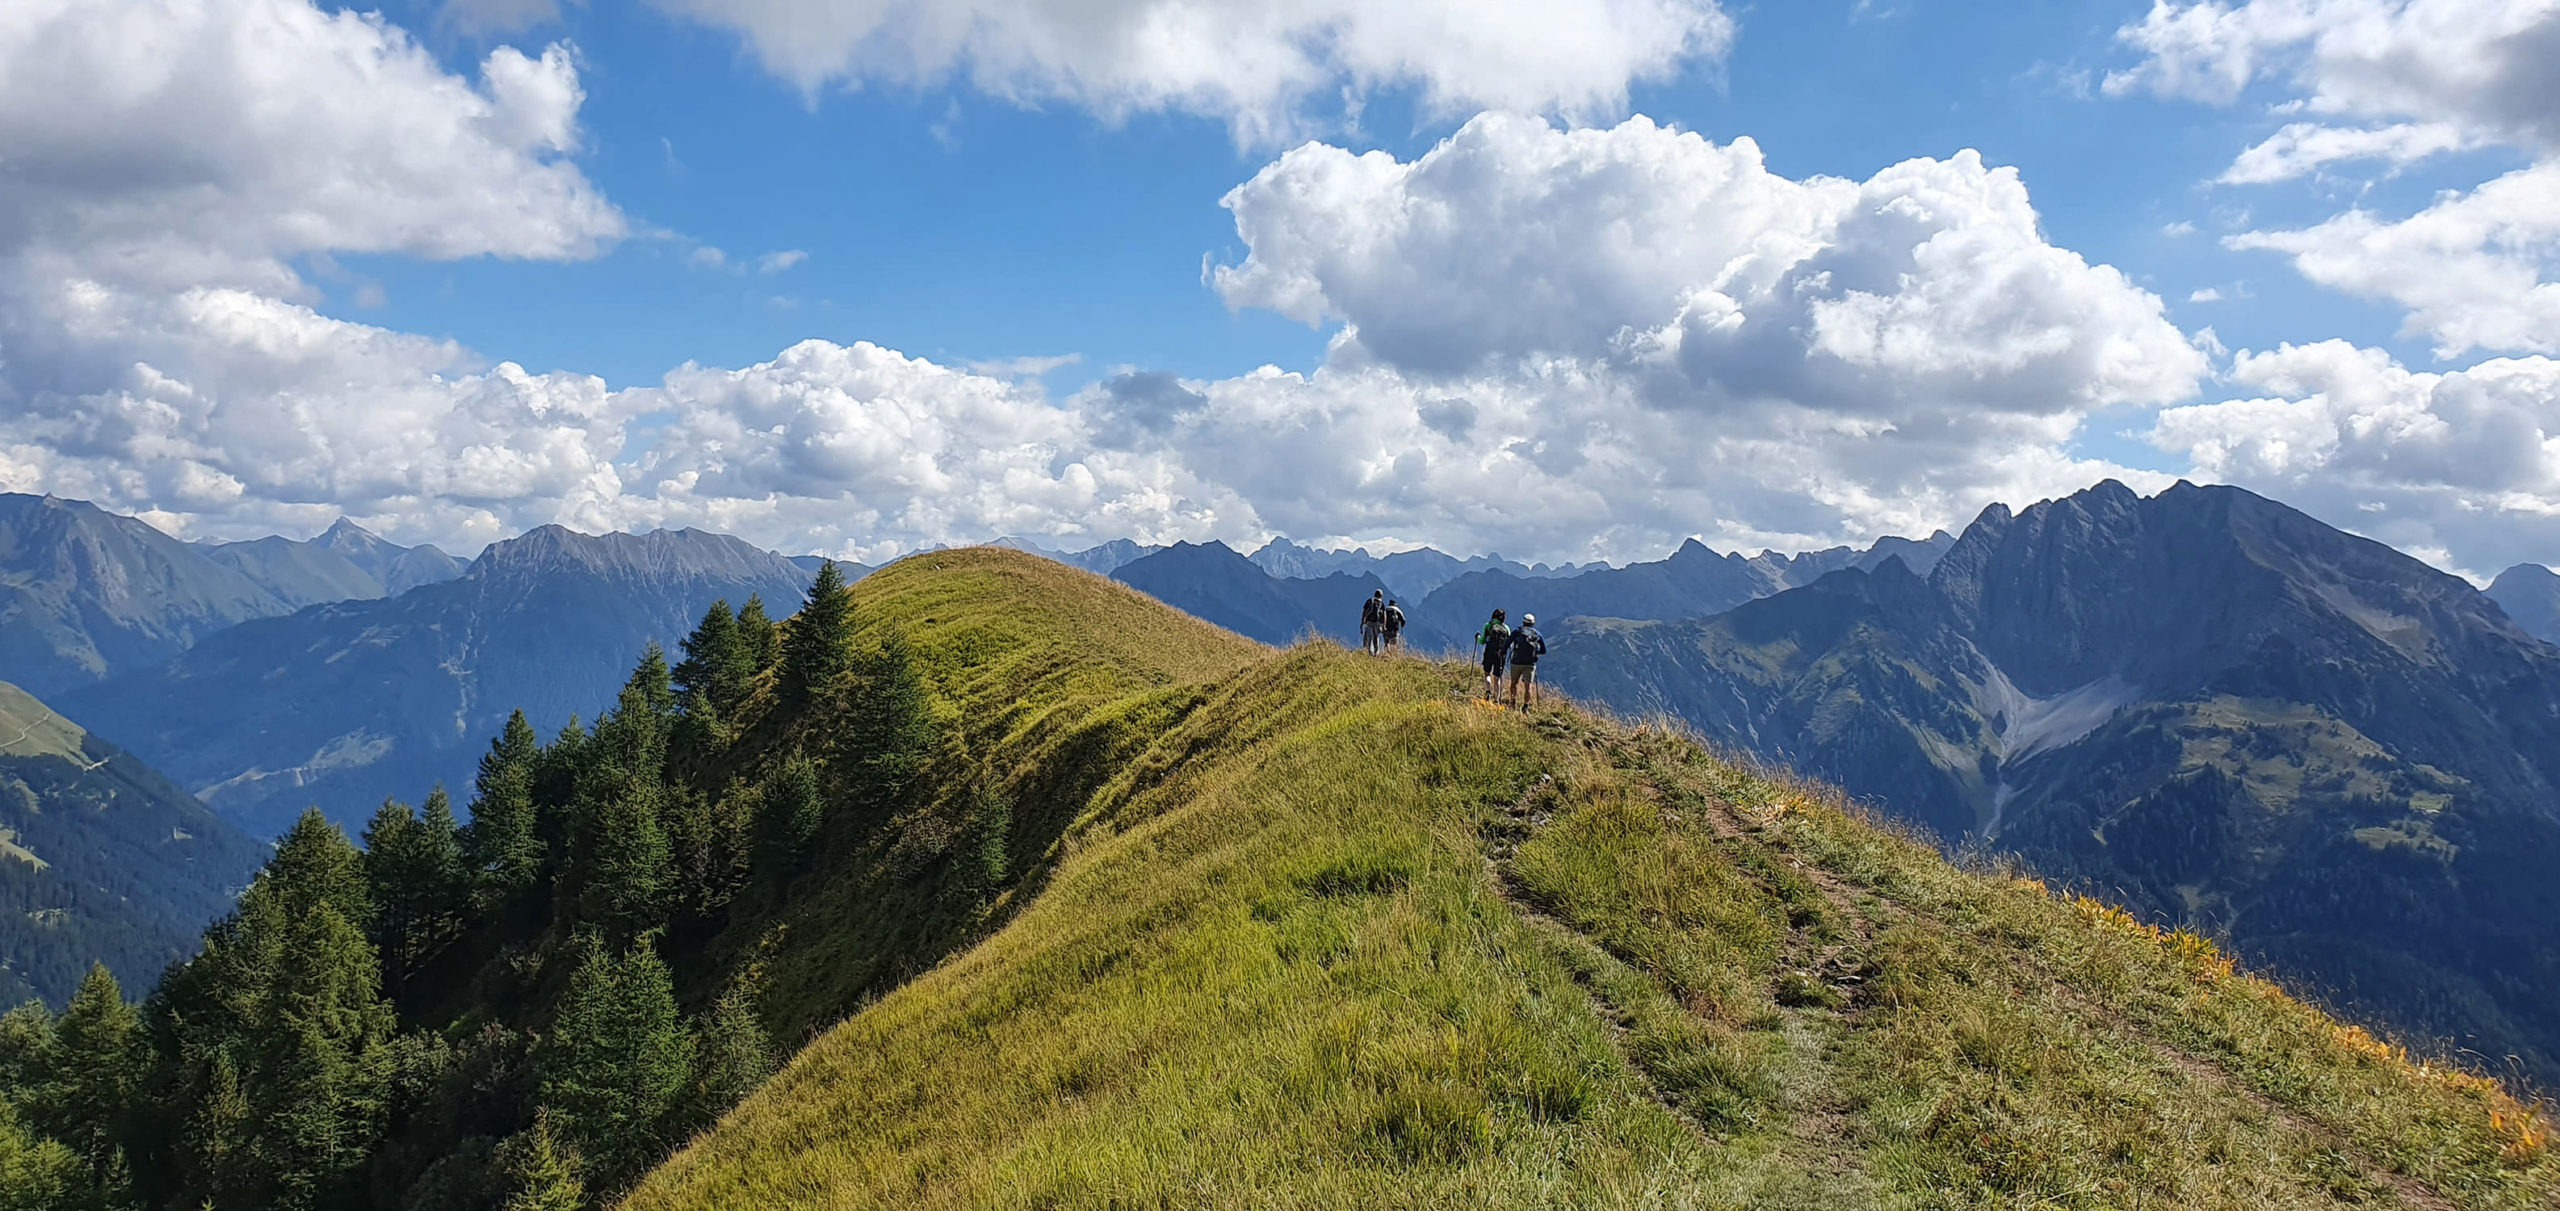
[346, 703]
[1210, 581]
[2530, 594]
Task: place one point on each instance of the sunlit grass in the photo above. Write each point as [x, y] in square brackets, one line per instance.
[1314, 931]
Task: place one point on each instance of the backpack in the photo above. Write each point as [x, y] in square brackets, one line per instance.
[1527, 645]
[1369, 612]
[1395, 618]
[1496, 638]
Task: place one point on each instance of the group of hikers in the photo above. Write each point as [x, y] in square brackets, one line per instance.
[1505, 648]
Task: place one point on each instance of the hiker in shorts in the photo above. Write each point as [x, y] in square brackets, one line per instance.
[1394, 625]
[1373, 622]
[1527, 645]
[1495, 639]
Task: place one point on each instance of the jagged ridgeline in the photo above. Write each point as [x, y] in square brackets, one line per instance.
[1065, 899]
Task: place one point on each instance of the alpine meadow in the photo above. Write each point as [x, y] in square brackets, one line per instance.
[1279, 605]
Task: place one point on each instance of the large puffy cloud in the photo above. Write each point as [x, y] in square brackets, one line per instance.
[2462, 467]
[2475, 270]
[1257, 64]
[167, 163]
[2491, 66]
[1595, 341]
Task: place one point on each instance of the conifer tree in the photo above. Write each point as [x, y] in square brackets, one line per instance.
[500, 848]
[793, 811]
[814, 646]
[414, 864]
[97, 1066]
[757, 634]
[984, 855]
[731, 1056]
[718, 663]
[280, 1037]
[542, 1171]
[36, 1174]
[627, 882]
[614, 1065]
[632, 737]
[892, 734]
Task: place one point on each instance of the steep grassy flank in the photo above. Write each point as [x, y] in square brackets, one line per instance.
[1302, 929]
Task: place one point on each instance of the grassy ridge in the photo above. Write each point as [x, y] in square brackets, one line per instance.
[1307, 929]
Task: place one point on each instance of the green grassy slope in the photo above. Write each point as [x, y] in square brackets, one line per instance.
[1306, 929]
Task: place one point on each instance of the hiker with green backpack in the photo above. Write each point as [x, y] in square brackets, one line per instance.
[1495, 639]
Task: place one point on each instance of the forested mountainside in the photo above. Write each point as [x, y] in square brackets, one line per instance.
[1065, 899]
[2209, 705]
[2530, 594]
[343, 704]
[101, 859]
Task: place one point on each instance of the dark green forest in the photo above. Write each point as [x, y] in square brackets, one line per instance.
[530, 1009]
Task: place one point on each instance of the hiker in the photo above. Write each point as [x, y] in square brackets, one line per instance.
[1394, 624]
[1373, 622]
[1495, 639]
[1526, 646]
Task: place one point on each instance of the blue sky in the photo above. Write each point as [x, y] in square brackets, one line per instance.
[1005, 234]
[945, 223]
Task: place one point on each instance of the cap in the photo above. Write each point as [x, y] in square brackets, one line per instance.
[1529, 619]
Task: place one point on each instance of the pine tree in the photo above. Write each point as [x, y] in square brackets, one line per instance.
[731, 1056]
[892, 735]
[626, 884]
[718, 663]
[543, 1172]
[414, 864]
[500, 848]
[757, 634]
[36, 1174]
[814, 647]
[792, 813]
[280, 1037]
[615, 1063]
[984, 855]
[632, 737]
[97, 1067]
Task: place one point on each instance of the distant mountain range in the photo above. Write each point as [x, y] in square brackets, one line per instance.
[1210, 581]
[345, 703]
[100, 858]
[2530, 594]
[2215, 707]
[86, 594]
[1410, 575]
[346, 562]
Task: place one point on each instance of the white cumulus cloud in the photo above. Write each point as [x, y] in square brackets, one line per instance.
[1256, 64]
[2463, 465]
[2476, 270]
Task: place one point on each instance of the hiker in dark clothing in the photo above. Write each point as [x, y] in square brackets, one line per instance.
[1394, 624]
[1373, 622]
[1495, 639]
[1527, 645]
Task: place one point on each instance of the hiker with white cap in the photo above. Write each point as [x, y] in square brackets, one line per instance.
[1526, 647]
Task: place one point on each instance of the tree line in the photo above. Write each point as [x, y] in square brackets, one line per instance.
[494, 1014]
